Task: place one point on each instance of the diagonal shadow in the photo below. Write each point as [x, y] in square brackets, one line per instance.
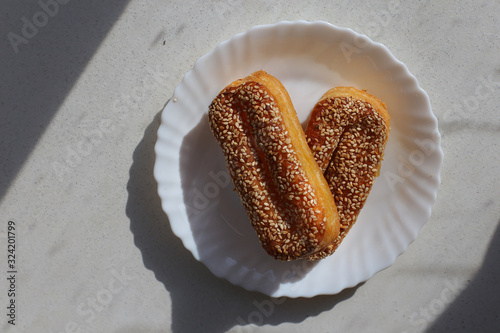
[476, 309]
[200, 301]
[53, 47]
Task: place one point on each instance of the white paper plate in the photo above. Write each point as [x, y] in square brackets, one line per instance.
[309, 58]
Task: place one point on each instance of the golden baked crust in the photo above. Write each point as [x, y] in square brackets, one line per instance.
[347, 133]
[280, 185]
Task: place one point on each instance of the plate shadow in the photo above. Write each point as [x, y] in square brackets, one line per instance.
[200, 302]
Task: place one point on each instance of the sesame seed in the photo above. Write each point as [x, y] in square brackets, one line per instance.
[341, 133]
[260, 142]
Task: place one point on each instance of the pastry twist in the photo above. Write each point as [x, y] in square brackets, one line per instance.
[274, 172]
[347, 133]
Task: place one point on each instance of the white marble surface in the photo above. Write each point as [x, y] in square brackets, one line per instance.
[79, 104]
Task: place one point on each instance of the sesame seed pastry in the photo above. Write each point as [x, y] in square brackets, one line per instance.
[283, 190]
[347, 133]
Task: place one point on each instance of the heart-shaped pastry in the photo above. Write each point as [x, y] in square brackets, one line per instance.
[301, 191]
